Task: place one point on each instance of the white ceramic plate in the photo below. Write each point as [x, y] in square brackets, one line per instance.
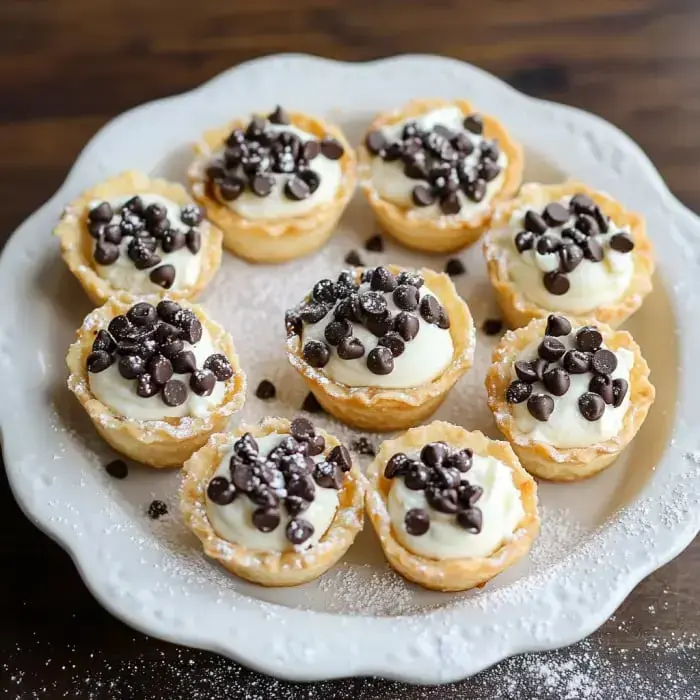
[599, 537]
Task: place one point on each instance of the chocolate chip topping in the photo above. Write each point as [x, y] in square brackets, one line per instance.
[255, 157]
[438, 472]
[353, 258]
[492, 326]
[454, 267]
[148, 345]
[157, 509]
[375, 244]
[286, 477]
[345, 304]
[554, 367]
[117, 469]
[573, 232]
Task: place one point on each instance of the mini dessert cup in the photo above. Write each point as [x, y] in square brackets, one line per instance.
[137, 235]
[434, 171]
[274, 544]
[276, 186]
[156, 385]
[452, 508]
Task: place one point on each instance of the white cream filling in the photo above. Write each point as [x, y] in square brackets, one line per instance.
[277, 205]
[592, 284]
[392, 184]
[123, 274]
[424, 358]
[234, 523]
[120, 395]
[500, 505]
[566, 427]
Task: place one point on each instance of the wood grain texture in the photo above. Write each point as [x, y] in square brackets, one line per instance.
[68, 66]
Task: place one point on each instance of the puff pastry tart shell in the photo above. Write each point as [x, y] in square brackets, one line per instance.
[450, 574]
[444, 234]
[273, 240]
[289, 568]
[77, 244]
[572, 463]
[167, 442]
[517, 309]
[381, 410]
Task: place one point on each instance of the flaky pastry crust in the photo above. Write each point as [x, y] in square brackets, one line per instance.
[273, 240]
[517, 309]
[77, 243]
[167, 442]
[447, 233]
[450, 574]
[381, 410]
[269, 568]
[573, 463]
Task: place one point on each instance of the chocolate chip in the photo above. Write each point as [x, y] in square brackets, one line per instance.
[416, 522]
[601, 220]
[433, 453]
[231, 188]
[364, 447]
[155, 212]
[117, 469]
[540, 366]
[557, 381]
[430, 308]
[489, 170]
[570, 256]
[266, 519]
[157, 509]
[299, 531]
[587, 225]
[582, 203]
[380, 361]
[134, 205]
[106, 253]
[461, 460]
[492, 326]
[417, 476]
[375, 141]
[454, 267]
[471, 520]
[526, 371]
[194, 241]
[375, 244]
[340, 456]
[261, 185]
[220, 366]
[474, 123]
[604, 361]
[588, 339]
[573, 235]
[328, 475]
[310, 404]
[172, 347]
[547, 244]
[524, 240]
[243, 475]
[557, 326]
[450, 204]
[163, 276]
[146, 386]
[397, 465]
[476, 190]
[592, 250]
[190, 325]
[278, 116]
[602, 385]
[383, 280]
[332, 149]
[468, 494]
[373, 303]
[335, 331]
[102, 212]
[518, 391]
[202, 382]
[622, 243]
[551, 349]
[191, 215]
[160, 369]
[104, 341]
[422, 196]
[131, 366]
[406, 325]
[174, 393]
[142, 314]
[442, 500]
[350, 348]
[313, 312]
[131, 225]
[112, 234]
[173, 241]
[221, 491]
[353, 258]
[406, 297]
[296, 189]
[591, 406]
[410, 277]
[576, 362]
[555, 283]
[183, 362]
[316, 353]
[534, 222]
[555, 214]
[540, 406]
[393, 341]
[619, 387]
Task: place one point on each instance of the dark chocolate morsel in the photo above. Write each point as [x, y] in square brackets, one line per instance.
[98, 361]
[433, 453]
[454, 267]
[551, 349]
[524, 240]
[576, 362]
[471, 520]
[299, 530]
[220, 366]
[416, 522]
[174, 393]
[592, 250]
[340, 456]
[555, 283]
[350, 348]
[167, 309]
[335, 331]
[406, 297]
[202, 382]
[492, 326]
[518, 391]
[533, 222]
[526, 371]
[191, 215]
[373, 303]
[163, 276]
[555, 214]
[620, 387]
[602, 385]
[316, 353]
[184, 362]
[146, 386]
[591, 406]
[430, 308]
[375, 141]
[406, 325]
[474, 124]
[104, 341]
[332, 149]
[570, 257]
[621, 242]
[582, 204]
[131, 366]
[380, 361]
[588, 339]
[266, 390]
[540, 406]
[221, 491]
[157, 509]
[119, 326]
[375, 244]
[394, 342]
[266, 518]
[117, 469]
[106, 253]
[142, 314]
[422, 196]
[557, 381]
[397, 465]
[383, 280]
[353, 258]
[604, 361]
[160, 369]
[102, 212]
[557, 326]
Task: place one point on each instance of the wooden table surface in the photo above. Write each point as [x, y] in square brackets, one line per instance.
[68, 66]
